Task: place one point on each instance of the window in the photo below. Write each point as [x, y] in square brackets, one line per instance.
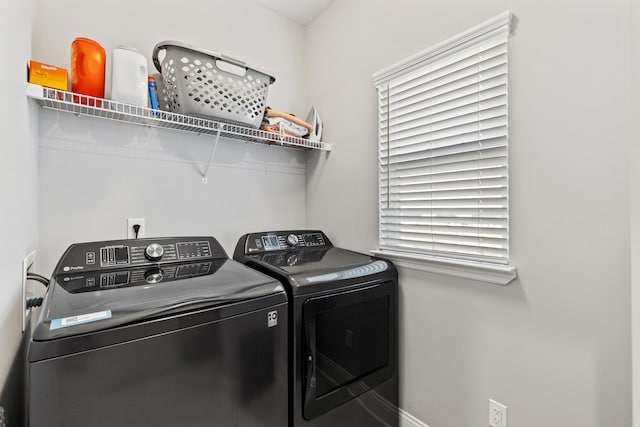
[443, 153]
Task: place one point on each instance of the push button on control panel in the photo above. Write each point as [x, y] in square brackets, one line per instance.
[191, 250]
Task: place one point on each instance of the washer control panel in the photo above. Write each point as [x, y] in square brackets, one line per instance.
[137, 252]
[284, 240]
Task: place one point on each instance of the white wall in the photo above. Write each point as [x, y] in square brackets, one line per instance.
[94, 174]
[554, 345]
[18, 206]
[634, 197]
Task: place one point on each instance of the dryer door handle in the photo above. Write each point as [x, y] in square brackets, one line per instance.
[310, 360]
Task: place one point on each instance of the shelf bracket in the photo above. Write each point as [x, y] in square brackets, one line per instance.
[213, 150]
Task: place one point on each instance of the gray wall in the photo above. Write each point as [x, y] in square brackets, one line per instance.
[634, 197]
[95, 174]
[18, 206]
[554, 345]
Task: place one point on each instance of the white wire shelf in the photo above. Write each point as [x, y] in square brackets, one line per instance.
[111, 110]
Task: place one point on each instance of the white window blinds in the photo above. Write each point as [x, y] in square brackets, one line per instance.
[443, 149]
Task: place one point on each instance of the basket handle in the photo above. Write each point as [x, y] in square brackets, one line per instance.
[154, 57]
[162, 46]
[218, 56]
[233, 61]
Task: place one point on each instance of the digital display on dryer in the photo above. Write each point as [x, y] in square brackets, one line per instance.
[270, 242]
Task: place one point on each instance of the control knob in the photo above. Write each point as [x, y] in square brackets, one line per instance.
[154, 252]
[292, 239]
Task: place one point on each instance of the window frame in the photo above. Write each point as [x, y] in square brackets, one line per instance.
[490, 271]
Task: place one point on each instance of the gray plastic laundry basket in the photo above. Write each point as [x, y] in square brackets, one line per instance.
[208, 84]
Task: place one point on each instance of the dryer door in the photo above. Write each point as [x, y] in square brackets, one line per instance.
[350, 345]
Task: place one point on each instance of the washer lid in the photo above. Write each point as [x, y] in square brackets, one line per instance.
[88, 301]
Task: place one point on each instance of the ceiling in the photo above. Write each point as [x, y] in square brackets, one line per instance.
[302, 12]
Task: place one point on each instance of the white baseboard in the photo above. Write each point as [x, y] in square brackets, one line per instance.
[408, 420]
[386, 412]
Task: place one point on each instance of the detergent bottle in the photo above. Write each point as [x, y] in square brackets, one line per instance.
[129, 77]
[88, 61]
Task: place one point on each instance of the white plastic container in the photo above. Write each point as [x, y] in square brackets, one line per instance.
[129, 73]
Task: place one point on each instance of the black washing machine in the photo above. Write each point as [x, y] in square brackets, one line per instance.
[158, 332]
[343, 323]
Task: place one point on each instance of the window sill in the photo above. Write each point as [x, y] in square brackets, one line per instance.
[488, 273]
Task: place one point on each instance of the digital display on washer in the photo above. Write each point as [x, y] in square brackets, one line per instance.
[270, 242]
[121, 255]
[114, 255]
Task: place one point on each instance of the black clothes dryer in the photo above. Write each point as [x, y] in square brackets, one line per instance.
[158, 332]
[343, 327]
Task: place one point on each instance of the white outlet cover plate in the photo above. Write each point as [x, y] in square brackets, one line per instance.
[130, 223]
[497, 414]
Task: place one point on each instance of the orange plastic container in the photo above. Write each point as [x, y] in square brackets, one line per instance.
[88, 61]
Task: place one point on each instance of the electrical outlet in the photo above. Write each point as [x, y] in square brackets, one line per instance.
[497, 414]
[28, 265]
[131, 232]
